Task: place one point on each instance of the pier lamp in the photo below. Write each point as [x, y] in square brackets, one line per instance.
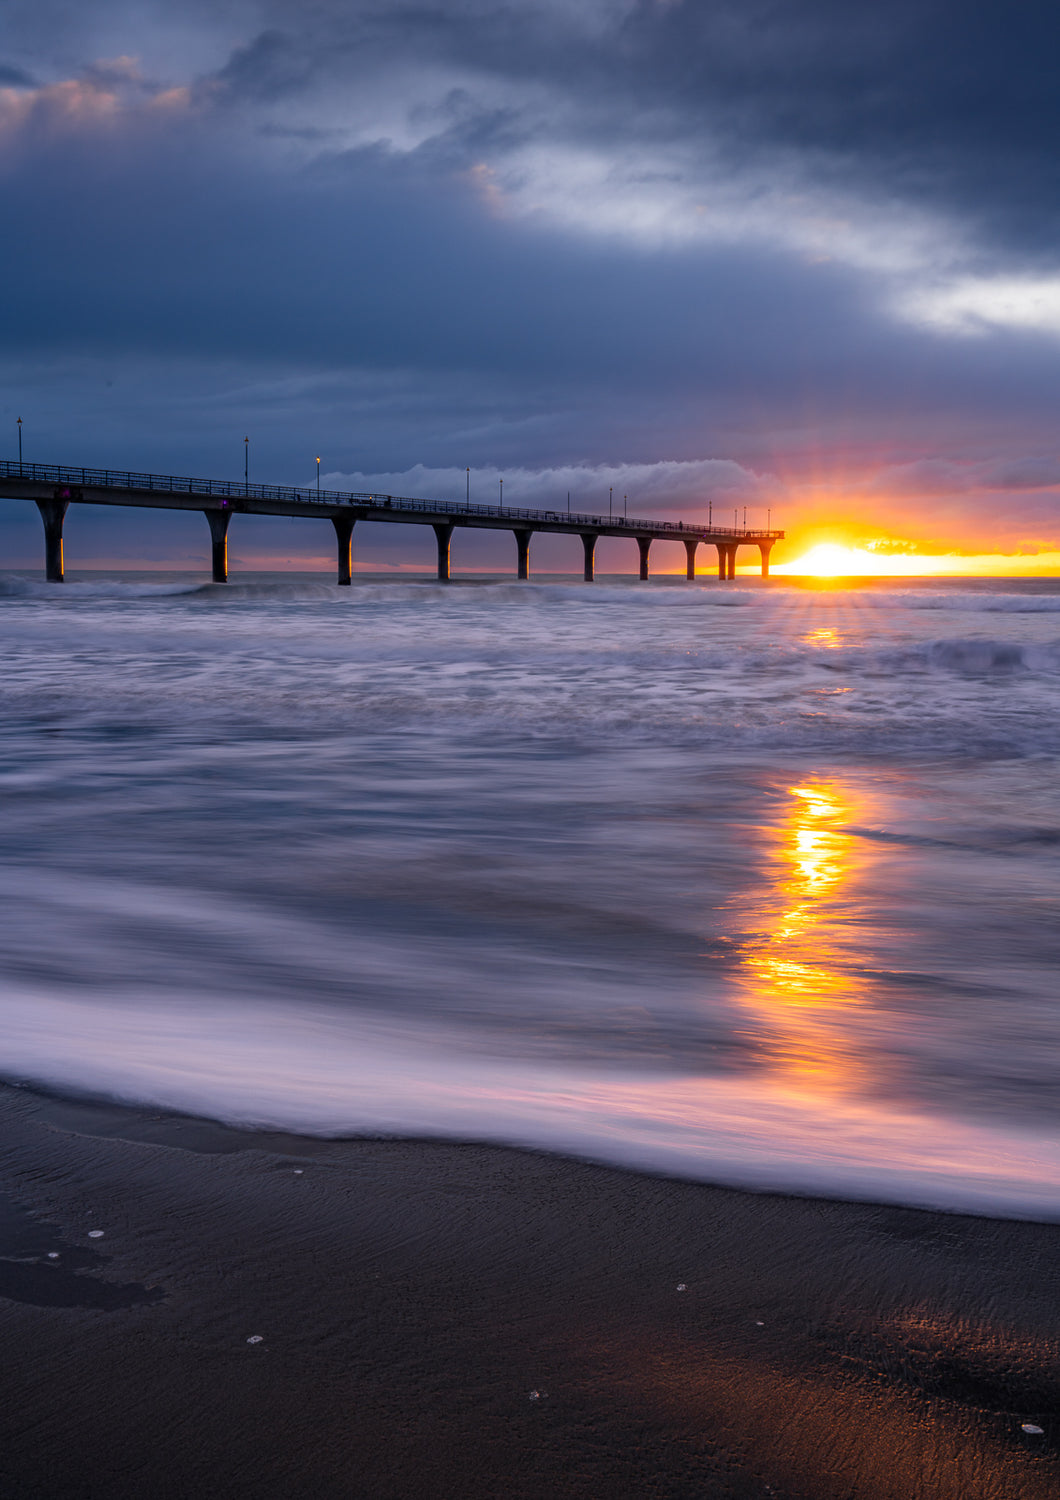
[625, 508]
[20, 447]
[318, 476]
[610, 492]
[502, 494]
[246, 466]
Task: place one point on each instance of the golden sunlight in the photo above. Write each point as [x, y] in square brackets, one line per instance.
[798, 979]
[837, 560]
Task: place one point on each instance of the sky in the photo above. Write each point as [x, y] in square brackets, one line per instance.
[795, 257]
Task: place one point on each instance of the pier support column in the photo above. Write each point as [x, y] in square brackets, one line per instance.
[723, 564]
[589, 543]
[764, 548]
[443, 533]
[344, 536]
[52, 513]
[219, 520]
[690, 552]
[731, 570]
[644, 543]
[522, 541]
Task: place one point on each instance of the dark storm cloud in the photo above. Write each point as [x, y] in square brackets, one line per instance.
[363, 262]
[273, 66]
[941, 104]
[948, 104]
[15, 78]
[204, 256]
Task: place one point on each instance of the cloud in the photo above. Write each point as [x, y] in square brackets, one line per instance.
[840, 113]
[946, 477]
[643, 489]
[110, 95]
[973, 305]
[16, 78]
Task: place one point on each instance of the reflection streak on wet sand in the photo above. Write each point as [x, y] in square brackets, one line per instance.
[796, 977]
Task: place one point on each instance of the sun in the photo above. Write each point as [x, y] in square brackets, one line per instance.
[835, 560]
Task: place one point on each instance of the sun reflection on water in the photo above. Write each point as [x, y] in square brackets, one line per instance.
[798, 978]
[823, 636]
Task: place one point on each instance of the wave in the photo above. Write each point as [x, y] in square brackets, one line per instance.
[1005, 596]
[14, 586]
[316, 1072]
[971, 655]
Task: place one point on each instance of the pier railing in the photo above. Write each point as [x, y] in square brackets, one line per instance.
[309, 495]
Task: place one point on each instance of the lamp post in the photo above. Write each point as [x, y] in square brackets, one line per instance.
[502, 494]
[769, 518]
[710, 513]
[568, 502]
[20, 447]
[745, 518]
[318, 476]
[610, 493]
[467, 496]
[246, 466]
[625, 508]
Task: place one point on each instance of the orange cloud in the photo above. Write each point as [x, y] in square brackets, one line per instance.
[111, 89]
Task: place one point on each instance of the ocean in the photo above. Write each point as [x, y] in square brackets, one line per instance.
[752, 884]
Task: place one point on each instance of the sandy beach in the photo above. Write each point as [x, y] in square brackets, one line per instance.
[276, 1316]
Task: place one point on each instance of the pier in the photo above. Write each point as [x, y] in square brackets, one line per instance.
[55, 487]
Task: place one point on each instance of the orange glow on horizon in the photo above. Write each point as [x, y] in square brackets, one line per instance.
[840, 560]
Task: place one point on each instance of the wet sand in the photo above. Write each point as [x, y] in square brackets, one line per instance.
[464, 1321]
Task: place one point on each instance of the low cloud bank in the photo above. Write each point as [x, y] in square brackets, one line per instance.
[644, 489]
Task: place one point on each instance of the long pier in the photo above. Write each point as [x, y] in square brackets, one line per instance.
[55, 487]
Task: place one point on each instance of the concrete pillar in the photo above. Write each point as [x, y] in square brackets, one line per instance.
[690, 551]
[52, 513]
[644, 543]
[443, 531]
[219, 520]
[722, 561]
[764, 548]
[522, 541]
[731, 573]
[344, 537]
[589, 543]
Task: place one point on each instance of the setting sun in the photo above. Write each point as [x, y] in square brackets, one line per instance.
[835, 560]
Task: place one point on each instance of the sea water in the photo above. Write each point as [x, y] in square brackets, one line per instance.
[750, 884]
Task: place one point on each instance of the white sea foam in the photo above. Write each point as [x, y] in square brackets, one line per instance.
[324, 1073]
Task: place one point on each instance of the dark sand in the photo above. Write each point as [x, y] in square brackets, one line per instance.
[411, 1296]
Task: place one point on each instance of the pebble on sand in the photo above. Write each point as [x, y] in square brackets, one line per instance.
[95, 1234]
[256, 1338]
[1033, 1428]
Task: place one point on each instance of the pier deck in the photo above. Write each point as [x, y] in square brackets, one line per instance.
[55, 487]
